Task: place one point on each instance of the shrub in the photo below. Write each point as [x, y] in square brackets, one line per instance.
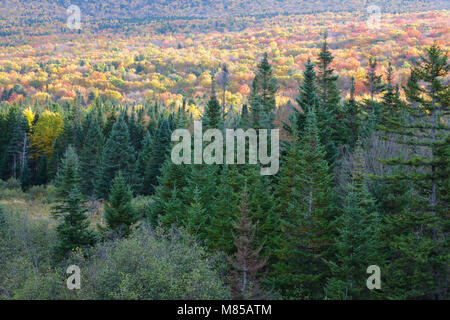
[12, 184]
[152, 265]
[36, 193]
[10, 189]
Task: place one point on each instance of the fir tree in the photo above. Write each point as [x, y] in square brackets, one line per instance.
[41, 171]
[358, 243]
[224, 79]
[172, 177]
[73, 228]
[224, 210]
[90, 157]
[246, 263]
[213, 111]
[120, 214]
[18, 148]
[196, 217]
[306, 221]
[262, 96]
[117, 155]
[425, 132]
[373, 81]
[308, 100]
[352, 120]
[391, 105]
[329, 94]
[160, 149]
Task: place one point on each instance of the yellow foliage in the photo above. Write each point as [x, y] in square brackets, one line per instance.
[47, 128]
[29, 114]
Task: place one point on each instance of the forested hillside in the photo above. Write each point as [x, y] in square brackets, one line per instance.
[150, 9]
[354, 105]
[362, 182]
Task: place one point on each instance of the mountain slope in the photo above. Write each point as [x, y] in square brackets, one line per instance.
[33, 10]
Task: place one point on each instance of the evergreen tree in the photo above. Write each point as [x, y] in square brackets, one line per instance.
[73, 228]
[213, 114]
[358, 243]
[262, 95]
[173, 210]
[117, 155]
[224, 210]
[196, 217]
[140, 179]
[308, 100]
[173, 177]
[424, 243]
[329, 98]
[373, 82]
[391, 105]
[120, 214]
[41, 171]
[18, 149]
[245, 118]
[137, 131]
[246, 263]
[329, 93]
[306, 221]
[90, 157]
[160, 149]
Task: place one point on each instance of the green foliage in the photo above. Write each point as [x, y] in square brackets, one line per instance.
[90, 156]
[262, 95]
[73, 228]
[306, 219]
[119, 211]
[118, 155]
[152, 265]
[358, 244]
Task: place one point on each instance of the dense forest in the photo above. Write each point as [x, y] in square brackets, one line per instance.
[154, 9]
[364, 180]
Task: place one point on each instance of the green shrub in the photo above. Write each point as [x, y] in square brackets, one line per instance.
[142, 204]
[152, 265]
[36, 193]
[12, 184]
[11, 194]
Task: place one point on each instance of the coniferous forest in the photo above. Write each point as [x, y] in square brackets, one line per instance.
[363, 180]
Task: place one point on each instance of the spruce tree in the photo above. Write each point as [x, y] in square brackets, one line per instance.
[306, 219]
[245, 283]
[329, 93]
[172, 177]
[18, 148]
[424, 242]
[120, 214]
[41, 171]
[358, 244]
[352, 118]
[196, 217]
[117, 155]
[90, 157]
[224, 210]
[308, 99]
[73, 228]
[262, 95]
[373, 83]
[160, 149]
[213, 114]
